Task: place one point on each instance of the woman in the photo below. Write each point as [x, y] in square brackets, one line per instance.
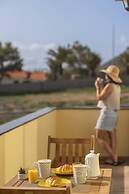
[108, 96]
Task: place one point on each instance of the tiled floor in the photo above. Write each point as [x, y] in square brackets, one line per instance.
[120, 178]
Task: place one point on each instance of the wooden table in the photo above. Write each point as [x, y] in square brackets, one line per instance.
[94, 186]
[100, 185]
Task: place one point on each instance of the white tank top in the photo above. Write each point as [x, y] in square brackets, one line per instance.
[112, 102]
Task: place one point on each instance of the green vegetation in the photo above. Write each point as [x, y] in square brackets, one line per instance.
[78, 59]
[125, 60]
[10, 59]
[18, 105]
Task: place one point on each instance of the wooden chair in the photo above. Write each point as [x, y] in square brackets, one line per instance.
[69, 150]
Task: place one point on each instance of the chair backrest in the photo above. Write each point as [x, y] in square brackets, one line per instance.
[68, 150]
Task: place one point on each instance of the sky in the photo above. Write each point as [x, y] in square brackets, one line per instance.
[35, 26]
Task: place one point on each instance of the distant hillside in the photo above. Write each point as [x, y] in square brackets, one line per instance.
[117, 61]
[124, 66]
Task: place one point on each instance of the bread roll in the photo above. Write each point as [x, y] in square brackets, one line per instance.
[53, 181]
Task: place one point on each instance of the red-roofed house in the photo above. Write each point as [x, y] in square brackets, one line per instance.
[23, 76]
[39, 76]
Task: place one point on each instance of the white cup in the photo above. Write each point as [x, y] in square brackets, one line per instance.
[44, 167]
[80, 173]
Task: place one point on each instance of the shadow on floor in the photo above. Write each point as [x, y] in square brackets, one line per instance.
[120, 177]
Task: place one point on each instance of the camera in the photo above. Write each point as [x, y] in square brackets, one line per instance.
[103, 81]
[100, 80]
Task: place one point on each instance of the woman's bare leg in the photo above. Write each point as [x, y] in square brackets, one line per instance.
[108, 138]
[100, 136]
[109, 134]
[114, 144]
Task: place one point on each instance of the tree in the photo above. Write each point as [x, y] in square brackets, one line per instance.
[53, 65]
[78, 58]
[93, 60]
[56, 60]
[9, 58]
[85, 58]
[81, 52]
[71, 58]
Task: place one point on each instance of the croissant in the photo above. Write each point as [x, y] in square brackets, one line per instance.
[53, 181]
[65, 168]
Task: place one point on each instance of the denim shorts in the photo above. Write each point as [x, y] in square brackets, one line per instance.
[107, 120]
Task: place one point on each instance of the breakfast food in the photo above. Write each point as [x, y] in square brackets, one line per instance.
[53, 181]
[66, 168]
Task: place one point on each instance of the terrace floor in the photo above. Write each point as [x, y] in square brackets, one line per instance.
[120, 178]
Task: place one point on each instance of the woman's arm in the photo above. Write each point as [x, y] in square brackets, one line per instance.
[101, 94]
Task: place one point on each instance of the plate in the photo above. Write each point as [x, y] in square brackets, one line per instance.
[55, 171]
[63, 183]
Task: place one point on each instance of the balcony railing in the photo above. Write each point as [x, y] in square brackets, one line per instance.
[24, 141]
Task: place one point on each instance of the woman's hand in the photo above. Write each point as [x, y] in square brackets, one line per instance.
[104, 92]
[98, 83]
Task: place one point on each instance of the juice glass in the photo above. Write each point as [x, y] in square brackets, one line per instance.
[32, 175]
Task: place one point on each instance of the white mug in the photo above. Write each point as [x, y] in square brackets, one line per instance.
[44, 167]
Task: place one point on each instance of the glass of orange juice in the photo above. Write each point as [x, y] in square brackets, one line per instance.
[32, 175]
